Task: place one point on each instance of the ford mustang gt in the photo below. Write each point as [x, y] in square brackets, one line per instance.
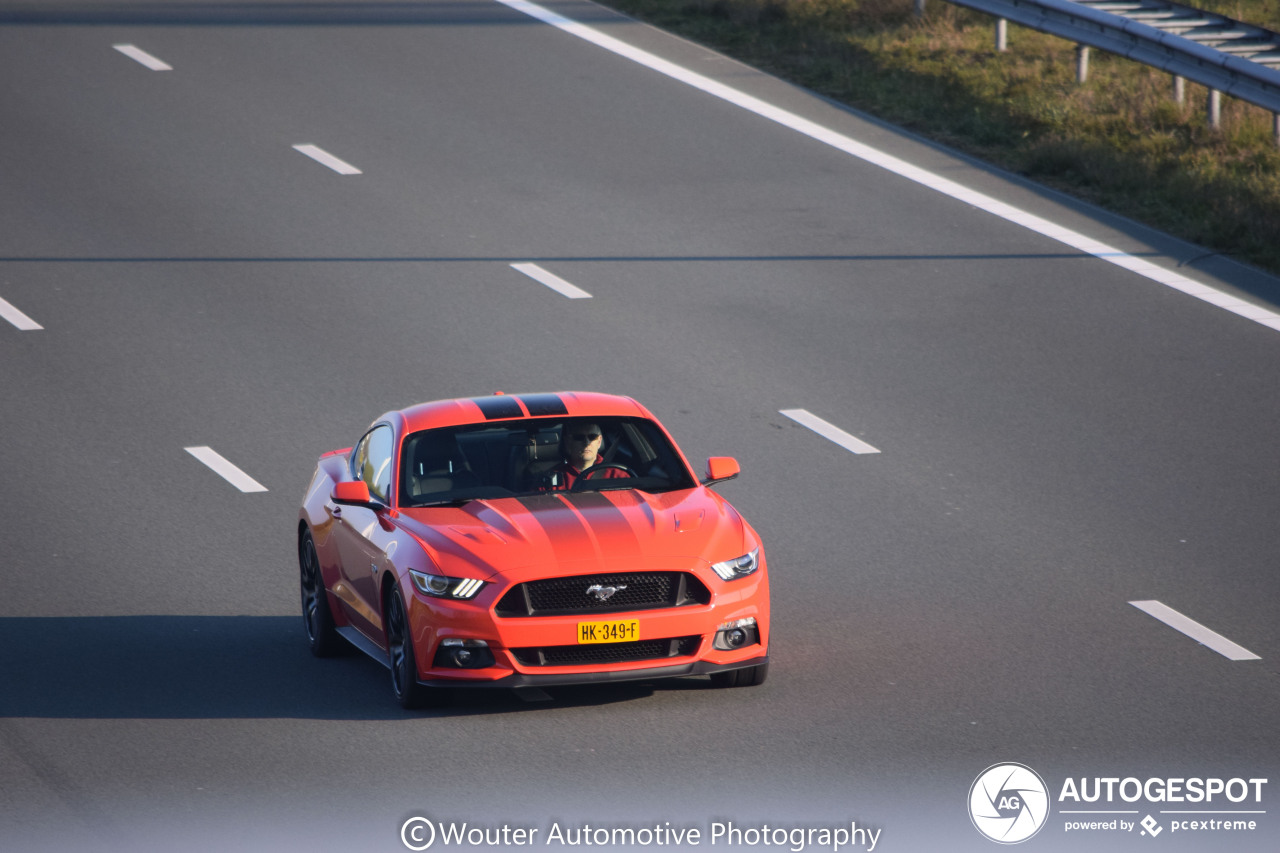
[530, 540]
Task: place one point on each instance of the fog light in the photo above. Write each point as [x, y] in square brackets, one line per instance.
[461, 653]
[736, 634]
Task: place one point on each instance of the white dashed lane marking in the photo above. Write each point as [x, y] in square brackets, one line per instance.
[323, 157]
[1195, 630]
[828, 430]
[552, 281]
[226, 470]
[140, 55]
[17, 318]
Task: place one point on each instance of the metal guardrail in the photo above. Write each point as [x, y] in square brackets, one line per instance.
[1227, 56]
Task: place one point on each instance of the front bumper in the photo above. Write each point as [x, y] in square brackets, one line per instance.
[652, 673]
[543, 650]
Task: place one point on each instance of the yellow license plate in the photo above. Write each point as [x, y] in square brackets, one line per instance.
[619, 631]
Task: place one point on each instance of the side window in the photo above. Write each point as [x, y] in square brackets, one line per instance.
[371, 462]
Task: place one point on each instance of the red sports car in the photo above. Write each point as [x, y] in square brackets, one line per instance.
[530, 540]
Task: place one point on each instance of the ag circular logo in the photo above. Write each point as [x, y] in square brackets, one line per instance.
[1008, 803]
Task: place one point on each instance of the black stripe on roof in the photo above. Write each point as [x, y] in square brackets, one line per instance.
[543, 404]
[497, 407]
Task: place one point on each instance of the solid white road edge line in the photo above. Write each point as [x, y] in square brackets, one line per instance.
[1195, 630]
[226, 470]
[324, 157]
[828, 430]
[947, 187]
[552, 281]
[17, 318]
[140, 55]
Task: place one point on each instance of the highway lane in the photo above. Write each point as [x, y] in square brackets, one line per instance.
[1058, 438]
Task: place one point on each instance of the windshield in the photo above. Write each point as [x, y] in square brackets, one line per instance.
[536, 456]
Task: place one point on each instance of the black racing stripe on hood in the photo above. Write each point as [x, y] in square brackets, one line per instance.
[589, 500]
[538, 502]
[496, 407]
[543, 404]
[597, 508]
[563, 526]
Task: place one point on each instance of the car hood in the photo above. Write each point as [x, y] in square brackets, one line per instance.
[578, 533]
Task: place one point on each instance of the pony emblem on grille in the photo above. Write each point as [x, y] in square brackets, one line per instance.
[604, 593]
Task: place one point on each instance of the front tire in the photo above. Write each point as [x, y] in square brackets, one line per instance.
[317, 618]
[748, 677]
[404, 662]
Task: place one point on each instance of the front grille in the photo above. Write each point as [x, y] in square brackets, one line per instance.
[633, 591]
[597, 653]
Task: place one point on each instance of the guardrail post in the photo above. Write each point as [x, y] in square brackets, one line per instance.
[1179, 89]
[1082, 63]
[919, 8]
[1246, 79]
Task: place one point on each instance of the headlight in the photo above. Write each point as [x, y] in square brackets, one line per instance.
[438, 586]
[739, 568]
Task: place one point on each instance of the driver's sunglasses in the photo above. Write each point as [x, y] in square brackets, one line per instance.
[584, 436]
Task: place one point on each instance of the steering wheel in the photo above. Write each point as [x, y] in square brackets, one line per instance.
[588, 473]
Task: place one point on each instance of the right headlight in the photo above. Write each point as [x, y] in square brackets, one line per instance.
[739, 567]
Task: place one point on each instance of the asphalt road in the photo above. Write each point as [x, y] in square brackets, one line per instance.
[1058, 437]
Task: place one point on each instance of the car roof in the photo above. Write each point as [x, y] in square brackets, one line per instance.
[499, 407]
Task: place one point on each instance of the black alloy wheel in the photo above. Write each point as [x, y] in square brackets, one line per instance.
[404, 663]
[747, 677]
[317, 618]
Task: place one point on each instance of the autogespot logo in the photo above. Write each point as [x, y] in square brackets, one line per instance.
[1008, 803]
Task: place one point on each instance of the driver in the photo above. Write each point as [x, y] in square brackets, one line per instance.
[580, 446]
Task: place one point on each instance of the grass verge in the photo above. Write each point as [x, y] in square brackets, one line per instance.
[1119, 140]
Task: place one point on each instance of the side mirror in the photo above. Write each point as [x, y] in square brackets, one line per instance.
[356, 492]
[721, 468]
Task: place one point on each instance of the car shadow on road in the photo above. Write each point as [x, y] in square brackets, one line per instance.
[214, 667]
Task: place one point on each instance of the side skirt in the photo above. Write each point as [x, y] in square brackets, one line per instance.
[364, 644]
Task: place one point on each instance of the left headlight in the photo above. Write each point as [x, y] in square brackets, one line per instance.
[739, 567]
[439, 586]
